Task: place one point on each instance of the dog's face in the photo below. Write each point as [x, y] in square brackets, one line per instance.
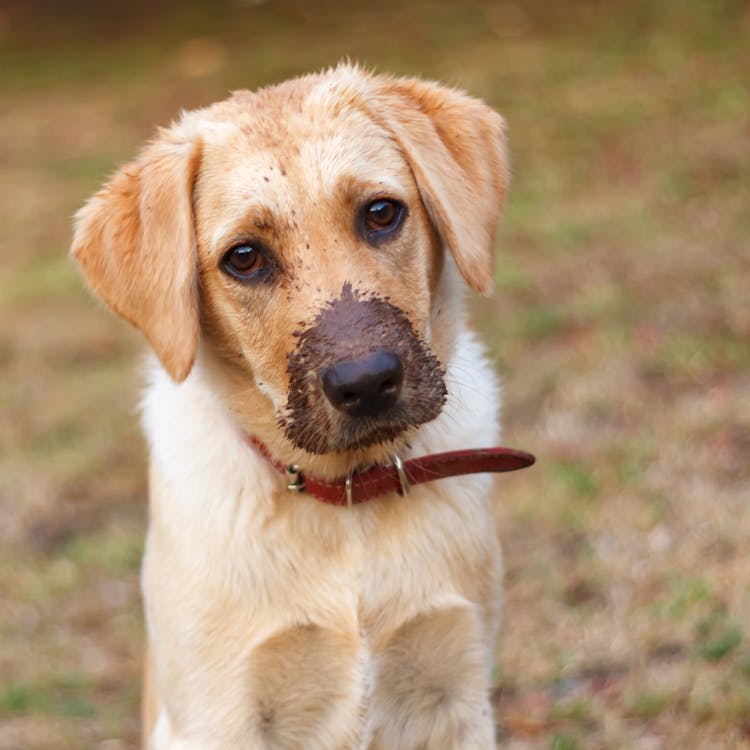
[299, 234]
[318, 266]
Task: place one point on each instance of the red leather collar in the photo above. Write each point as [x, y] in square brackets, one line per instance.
[361, 486]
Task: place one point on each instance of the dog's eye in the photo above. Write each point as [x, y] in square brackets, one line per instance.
[382, 217]
[243, 261]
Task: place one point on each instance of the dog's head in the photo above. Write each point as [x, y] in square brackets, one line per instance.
[298, 235]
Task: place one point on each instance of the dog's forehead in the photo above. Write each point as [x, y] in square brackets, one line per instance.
[286, 152]
[301, 150]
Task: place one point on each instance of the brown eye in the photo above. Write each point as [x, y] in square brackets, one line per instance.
[243, 261]
[382, 216]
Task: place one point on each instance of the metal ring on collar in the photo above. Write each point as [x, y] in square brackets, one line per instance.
[349, 490]
[402, 478]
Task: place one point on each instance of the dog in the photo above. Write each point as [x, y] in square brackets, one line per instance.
[297, 258]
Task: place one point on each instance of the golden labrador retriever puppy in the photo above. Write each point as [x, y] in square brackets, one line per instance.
[296, 258]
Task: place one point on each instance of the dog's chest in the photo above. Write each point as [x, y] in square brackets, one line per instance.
[367, 569]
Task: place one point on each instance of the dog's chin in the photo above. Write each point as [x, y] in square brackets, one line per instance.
[346, 435]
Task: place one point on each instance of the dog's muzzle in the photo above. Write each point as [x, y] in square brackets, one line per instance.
[360, 375]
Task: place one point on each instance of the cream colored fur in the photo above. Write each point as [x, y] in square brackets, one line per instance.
[276, 621]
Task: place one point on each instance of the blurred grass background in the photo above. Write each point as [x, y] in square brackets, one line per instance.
[621, 325]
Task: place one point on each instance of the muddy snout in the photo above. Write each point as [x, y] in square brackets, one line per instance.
[360, 375]
[364, 387]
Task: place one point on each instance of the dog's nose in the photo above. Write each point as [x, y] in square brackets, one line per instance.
[364, 387]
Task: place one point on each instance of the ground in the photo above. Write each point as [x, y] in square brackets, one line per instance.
[620, 324]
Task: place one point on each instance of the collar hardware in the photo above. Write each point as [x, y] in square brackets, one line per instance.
[349, 489]
[403, 480]
[295, 482]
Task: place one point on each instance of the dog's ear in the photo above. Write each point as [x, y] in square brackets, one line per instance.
[135, 243]
[455, 145]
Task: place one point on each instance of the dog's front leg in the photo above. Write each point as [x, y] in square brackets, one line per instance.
[304, 687]
[432, 685]
[221, 684]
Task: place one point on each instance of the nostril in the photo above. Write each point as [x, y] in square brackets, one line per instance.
[364, 387]
[387, 386]
[349, 399]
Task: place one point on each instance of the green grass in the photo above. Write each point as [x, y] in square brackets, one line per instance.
[66, 697]
[115, 550]
[717, 636]
[563, 742]
[646, 705]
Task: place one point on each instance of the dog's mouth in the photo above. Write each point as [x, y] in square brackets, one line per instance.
[359, 376]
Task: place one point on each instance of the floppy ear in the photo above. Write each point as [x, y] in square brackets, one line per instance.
[135, 243]
[455, 146]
